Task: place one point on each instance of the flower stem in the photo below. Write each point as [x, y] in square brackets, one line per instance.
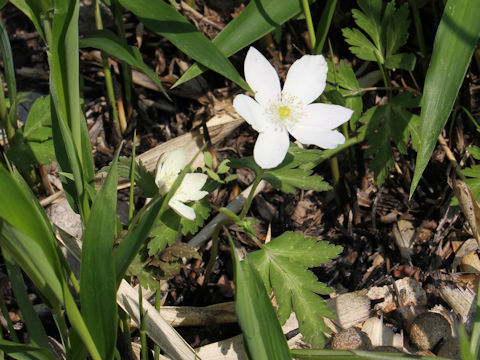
[308, 19]
[252, 192]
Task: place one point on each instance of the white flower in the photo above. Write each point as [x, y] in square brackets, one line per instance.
[168, 169]
[274, 113]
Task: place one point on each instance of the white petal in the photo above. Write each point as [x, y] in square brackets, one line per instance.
[306, 78]
[271, 147]
[170, 165]
[313, 135]
[262, 77]
[182, 209]
[189, 189]
[251, 111]
[325, 116]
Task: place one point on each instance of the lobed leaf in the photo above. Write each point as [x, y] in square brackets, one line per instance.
[262, 333]
[283, 266]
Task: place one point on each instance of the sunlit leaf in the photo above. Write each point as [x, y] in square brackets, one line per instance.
[454, 44]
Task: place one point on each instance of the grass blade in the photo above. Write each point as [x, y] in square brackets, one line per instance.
[455, 41]
[97, 275]
[262, 333]
[110, 43]
[162, 19]
[258, 19]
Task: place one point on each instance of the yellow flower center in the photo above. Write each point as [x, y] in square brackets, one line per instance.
[284, 111]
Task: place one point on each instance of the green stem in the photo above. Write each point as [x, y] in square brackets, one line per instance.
[418, 28]
[107, 72]
[248, 203]
[125, 324]
[132, 179]
[324, 26]
[308, 19]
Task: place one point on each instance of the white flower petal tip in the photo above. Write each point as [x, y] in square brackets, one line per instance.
[306, 78]
[262, 77]
[274, 114]
[183, 210]
[271, 148]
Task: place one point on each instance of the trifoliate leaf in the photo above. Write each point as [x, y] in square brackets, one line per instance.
[386, 123]
[283, 265]
[386, 34]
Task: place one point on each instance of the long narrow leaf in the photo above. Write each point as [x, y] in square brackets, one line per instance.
[258, 19]
[162, 19]
[455, 41]
[21, 351]
[34, 325]
[110, 43]
[262, 333]
[65, 91]
[97, 275]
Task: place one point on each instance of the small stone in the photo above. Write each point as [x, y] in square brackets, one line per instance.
[351, 339]
[428, 329]
[450, 348]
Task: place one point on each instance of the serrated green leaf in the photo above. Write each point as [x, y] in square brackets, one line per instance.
[283, 265]
[202, 211]
[360, 45]
[348, 83]
[262, 333]
[369, 19]
[386, 123]
[289, 180]
[474, 151]
[179, 250]
[405, 61]
[388, 33]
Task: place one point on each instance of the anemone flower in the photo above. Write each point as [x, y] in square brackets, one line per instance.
[275, 112]
[168, 168]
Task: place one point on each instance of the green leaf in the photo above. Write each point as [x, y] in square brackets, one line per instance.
[202, 211]
[25, 352]
[98, 285]
[143, 178]
[162, 19]
[71, 140]
[259, 18]
[386, 123]
[454, 44]
[262, 333]
[110, 43]
[344, 77]
[388, 33]
[474, 151]
[283, 264]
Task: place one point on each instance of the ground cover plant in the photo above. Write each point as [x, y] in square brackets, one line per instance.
[253, 161]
